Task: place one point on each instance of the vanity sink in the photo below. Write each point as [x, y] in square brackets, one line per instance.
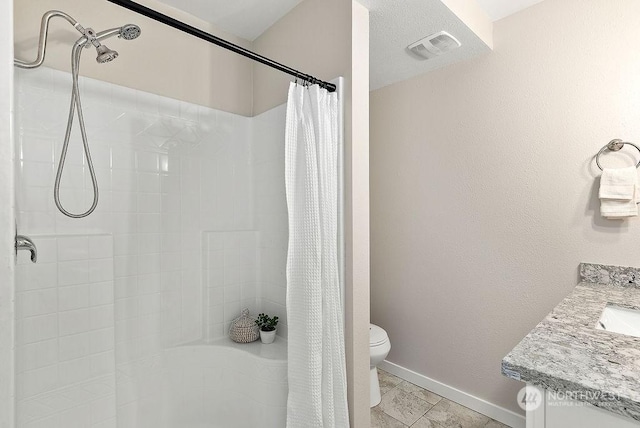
[621, 320]
[590, 377]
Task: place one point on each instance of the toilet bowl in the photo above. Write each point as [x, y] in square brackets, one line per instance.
[379, 347]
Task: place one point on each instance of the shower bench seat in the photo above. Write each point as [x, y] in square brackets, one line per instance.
[227, 384]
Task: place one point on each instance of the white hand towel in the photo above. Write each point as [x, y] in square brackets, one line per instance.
[619, 193]
[618, 183]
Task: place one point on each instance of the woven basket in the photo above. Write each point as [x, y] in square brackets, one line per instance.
[244, 328]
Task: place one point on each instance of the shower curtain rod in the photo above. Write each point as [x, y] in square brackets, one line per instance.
[179, 25]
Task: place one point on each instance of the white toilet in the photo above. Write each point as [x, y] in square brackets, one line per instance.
[379, 347]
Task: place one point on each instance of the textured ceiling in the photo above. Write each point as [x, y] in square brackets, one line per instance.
[394, 25]
[243, 18]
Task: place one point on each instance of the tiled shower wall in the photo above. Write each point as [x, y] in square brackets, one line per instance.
[271, 217]
[167, 171]
[65, 333]
[230, 278]
[173, 177]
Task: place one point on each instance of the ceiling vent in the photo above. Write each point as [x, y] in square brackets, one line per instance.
[434, 45]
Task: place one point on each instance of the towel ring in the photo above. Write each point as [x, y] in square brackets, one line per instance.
[614, 146]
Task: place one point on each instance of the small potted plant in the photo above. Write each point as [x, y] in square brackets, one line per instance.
[267, 327]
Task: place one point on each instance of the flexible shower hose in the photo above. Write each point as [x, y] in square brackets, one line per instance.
[75, 105]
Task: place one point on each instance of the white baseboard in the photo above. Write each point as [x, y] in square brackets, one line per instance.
[498, 413]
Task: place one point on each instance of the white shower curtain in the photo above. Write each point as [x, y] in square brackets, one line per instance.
[317, 372]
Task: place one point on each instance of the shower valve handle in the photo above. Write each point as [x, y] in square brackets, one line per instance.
[25, 243]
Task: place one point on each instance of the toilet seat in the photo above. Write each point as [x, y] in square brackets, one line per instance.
[377, 336]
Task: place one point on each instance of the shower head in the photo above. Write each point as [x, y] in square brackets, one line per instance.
[105, 54]
[129, 32]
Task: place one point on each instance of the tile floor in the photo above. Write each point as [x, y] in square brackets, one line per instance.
[407, 405]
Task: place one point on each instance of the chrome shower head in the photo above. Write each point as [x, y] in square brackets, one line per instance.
[105, 54]
[127, 32]
[130, 32]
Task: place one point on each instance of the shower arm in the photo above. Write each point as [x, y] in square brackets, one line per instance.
[87, 33]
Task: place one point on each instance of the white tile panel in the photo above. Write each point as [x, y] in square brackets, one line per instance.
[180, 241]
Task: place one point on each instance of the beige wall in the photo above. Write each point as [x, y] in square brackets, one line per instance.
[7, 217]
[313, 38]
[484, 188]
[330, 38]
[163, 60]
[357, 220]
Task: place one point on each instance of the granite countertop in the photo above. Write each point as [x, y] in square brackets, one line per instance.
[565, 352]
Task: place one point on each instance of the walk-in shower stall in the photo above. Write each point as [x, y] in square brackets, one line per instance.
[146, 251]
